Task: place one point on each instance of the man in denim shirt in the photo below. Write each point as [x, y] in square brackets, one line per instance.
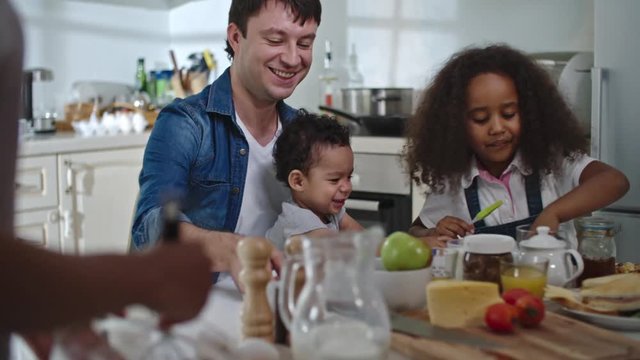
[215, 147]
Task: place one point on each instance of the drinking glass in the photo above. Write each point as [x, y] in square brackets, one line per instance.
[443, 265]
[524, 272]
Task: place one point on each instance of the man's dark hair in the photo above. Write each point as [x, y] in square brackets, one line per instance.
[242, 10]
[300, 144]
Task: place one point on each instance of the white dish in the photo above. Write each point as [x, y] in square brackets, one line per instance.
[402, 290]
[606, 321]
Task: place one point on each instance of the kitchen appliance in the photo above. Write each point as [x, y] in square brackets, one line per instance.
[381, 193]
[615, 112]
[571, 72]
[37, 105]
[375, 111]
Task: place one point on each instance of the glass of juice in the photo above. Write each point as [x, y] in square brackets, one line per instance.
[524, 272]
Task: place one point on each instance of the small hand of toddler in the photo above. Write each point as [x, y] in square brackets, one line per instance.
[435, 241]
[452, 227]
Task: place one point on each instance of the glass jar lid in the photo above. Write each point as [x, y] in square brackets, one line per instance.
[596, 223]
[489, 244]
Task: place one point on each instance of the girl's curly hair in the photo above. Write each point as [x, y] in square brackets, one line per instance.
[299, 145]
[437, 151]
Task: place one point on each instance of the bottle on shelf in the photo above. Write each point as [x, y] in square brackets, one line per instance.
[328, 78]
[141, 77]
[356, 79]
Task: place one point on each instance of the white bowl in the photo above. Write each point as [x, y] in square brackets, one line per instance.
[402, 290]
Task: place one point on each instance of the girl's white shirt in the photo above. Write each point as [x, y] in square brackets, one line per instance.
[552, 187]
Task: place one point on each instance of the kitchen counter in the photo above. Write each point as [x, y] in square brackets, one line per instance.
[66, 142]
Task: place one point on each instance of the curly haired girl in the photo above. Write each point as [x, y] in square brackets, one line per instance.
[493, 126]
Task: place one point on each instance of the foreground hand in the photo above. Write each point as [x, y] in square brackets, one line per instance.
[452, 227]
[183, 281]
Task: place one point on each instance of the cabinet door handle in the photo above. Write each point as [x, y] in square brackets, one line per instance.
[68, 224]
[69, 172]
[596, 112]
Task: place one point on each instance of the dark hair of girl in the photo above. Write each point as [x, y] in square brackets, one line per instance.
[437, 151]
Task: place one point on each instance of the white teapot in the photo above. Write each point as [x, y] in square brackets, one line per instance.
[561, 267]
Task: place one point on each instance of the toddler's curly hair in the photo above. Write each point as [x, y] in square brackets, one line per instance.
[301, 142]
[437, 151]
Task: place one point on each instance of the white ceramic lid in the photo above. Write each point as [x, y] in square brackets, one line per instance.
[542, 240]
[489, 244]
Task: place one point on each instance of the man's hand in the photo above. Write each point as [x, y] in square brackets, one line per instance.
[181, 287]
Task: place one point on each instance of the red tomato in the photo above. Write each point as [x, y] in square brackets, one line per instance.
[530, 310]
[500, 317]
[510, 296]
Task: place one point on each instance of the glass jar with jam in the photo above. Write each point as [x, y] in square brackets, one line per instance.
[482, 256]
[597, 246]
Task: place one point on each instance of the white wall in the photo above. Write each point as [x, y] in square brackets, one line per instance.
[399, 42]
[404, 42]
[83, 41]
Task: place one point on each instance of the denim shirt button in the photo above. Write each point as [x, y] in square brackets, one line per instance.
[243, 152]
[235, 190]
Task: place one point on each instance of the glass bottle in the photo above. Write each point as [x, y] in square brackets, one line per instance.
[356, 80]
[597, 246]
[328, 78]
[141, 76]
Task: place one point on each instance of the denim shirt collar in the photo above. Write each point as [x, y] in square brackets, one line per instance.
[220, 100]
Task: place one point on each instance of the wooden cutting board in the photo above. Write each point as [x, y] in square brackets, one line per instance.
[557, 337]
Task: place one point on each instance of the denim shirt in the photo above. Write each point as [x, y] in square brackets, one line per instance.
[197, 150]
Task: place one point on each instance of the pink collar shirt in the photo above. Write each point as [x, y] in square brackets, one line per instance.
[510, 188]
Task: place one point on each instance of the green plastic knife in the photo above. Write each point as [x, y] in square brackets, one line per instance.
[486, 211]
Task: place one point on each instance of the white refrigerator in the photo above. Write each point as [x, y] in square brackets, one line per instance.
[615, 111]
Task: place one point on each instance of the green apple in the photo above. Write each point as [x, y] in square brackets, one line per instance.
[401, 251]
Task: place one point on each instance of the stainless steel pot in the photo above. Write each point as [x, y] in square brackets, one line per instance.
[377, 101]
[375, 125]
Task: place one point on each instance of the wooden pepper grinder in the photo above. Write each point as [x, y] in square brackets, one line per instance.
[257, 319]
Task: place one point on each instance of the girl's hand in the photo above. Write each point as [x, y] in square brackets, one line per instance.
[452, 227]
[546, 218]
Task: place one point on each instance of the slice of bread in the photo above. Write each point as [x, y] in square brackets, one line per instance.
[619, 292]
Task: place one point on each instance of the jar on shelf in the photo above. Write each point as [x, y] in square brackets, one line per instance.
[482, 256]
[597, 246]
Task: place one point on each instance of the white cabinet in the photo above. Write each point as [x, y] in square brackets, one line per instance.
[77, 195]
[36, 218]
[98, 191]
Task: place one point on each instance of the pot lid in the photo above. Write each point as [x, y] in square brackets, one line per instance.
[489, 244]
[542, 240]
